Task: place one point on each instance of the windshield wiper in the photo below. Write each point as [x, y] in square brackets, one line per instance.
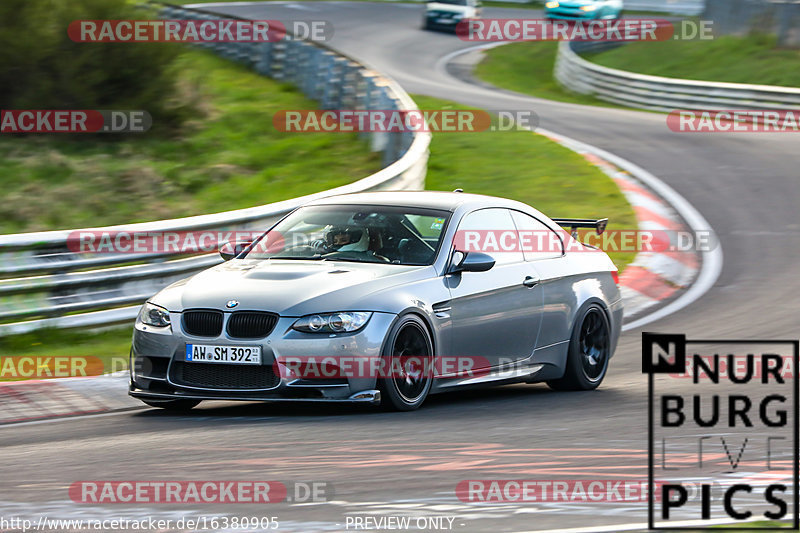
[350, 260]
[296, 257]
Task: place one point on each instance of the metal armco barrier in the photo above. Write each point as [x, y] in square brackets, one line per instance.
[43, 284]
[663, 94]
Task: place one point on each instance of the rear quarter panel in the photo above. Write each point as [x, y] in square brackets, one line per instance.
[571, 281]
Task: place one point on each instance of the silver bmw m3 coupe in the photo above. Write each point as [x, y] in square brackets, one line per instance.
[384, 298]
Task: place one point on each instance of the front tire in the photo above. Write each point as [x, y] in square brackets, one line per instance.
[408, 354]
[173, 405]
[589, 352]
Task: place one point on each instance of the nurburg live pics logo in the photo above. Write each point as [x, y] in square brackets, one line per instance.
[723, 445]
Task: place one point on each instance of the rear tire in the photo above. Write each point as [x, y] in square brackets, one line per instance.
[173, 405]
[406, 391]
[589, 352]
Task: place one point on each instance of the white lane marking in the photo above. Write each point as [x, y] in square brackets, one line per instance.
[301, 7]
[668, 268]
[659, 208]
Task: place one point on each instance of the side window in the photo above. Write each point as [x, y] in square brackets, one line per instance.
[492, 232]
[537, 241]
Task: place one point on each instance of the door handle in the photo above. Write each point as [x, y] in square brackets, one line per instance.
[530, 281]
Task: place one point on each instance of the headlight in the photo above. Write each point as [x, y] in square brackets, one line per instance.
[588, 8]
[153, 315]
[344, 322]
[551, 5]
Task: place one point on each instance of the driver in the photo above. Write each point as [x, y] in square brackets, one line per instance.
[340, 237]
[360, 240]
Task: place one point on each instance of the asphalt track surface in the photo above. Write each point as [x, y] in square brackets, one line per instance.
[746, 186]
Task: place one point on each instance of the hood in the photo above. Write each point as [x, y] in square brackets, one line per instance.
[449, 8]
[289, 288]
[575, 3]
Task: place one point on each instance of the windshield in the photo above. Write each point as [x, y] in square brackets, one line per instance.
[369, 234]
[452, 2]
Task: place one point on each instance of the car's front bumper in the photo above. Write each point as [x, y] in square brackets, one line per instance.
[442, 22]
[367, 396]
[158, 364]
[569, 13]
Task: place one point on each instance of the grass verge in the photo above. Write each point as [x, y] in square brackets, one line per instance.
[109, 346]
[230, 157]
[513, 164]
[528, 67]
[752, 59]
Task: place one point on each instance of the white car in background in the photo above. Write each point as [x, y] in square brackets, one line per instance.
[446, 14]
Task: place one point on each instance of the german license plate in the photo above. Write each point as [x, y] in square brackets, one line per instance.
[234, 355]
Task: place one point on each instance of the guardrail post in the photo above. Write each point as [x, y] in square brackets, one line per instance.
[367, 97]
[350, 82]
[309, 84]
[263, 62]
[278, 58]
[330, 81]
[336, 82]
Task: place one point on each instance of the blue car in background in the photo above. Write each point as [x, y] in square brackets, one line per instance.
[583, 9]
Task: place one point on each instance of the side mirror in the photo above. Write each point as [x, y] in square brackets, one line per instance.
[471, 262]
[229, 250]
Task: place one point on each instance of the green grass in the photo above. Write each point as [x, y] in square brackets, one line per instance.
[527, 68]
[769, 525]
[752, 59]
[229, 157]
[111, 346]
[527, 167]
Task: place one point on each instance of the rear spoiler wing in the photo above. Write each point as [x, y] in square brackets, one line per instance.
[575, 223]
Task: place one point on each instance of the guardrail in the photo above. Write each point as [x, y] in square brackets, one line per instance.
[662, 94]
[44, 284]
